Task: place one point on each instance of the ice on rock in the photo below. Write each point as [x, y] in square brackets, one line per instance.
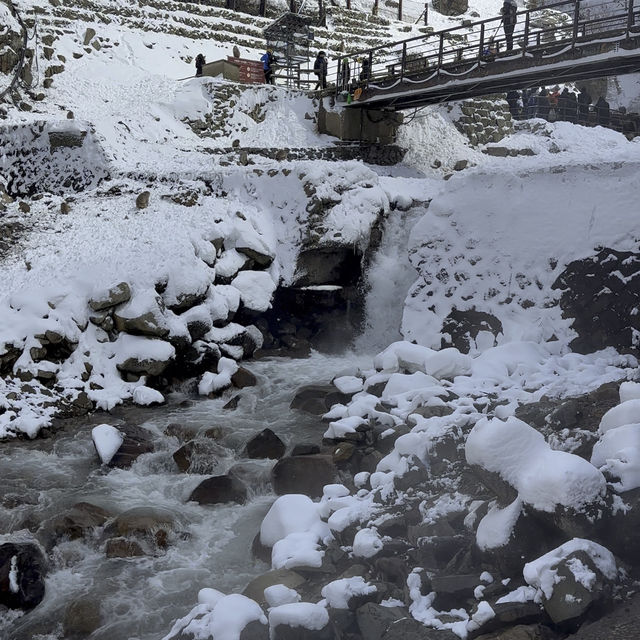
[299, 614]
[107, 440]
[544, 478]
[629, 391]
[339, 592]
[542, 572]
[627, 412]
[145, 396]
[278, 594]
[367, 543]
[618, 454]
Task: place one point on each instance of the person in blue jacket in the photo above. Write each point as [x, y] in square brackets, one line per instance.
[268, 61]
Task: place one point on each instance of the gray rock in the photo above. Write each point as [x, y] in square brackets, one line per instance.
[452, 591]
[219, 490]
[145, 366]
[136, 441]
[123, 548]
[622, 624]
[89, 34]
[81, 618]
[142, 201]
[526, 632]
[255, 589]
[201, 456]
[73, 523]
[265, 444]
[117, 294]
[243, 378]
[375, 620]
[451, 7]
[255, 630]
[303, 474]
[27, 564]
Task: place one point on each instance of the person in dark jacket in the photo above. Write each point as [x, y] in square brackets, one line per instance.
[603, 112]
[509, 19]
[542, 105]
[364, 70]
[320, 69]
[564, 105]
[512, 101]
[584, 100]
[200, 62]
[532, 103]
[268, 62]
[345, 74]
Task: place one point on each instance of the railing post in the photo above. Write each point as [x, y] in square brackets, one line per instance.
[403, 61]
[630, 18]
[481, 47]
[339, 78]
[262, 10]
[576, 19]
[400, 10]
[525, 42]
[370, 72]
[440, 50]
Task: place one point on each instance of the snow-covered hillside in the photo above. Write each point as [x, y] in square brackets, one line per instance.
[472, 464]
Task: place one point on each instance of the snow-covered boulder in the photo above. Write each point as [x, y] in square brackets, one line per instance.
[141, 355]
[617, 454]
[544, 479]
[627, 412]
[301, 620]
[143, 315]
[572, 578]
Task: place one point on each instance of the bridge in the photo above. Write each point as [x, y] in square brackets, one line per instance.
[567, 41]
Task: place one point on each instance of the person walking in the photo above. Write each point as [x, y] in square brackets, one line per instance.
[364, 69]
[564, 105]
[603, 112]
[320, 70]
[268, 62]
[200, 62]
[512, 100]
[509, 18]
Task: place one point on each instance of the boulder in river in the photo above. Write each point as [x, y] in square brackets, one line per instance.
[200, 456]
[218, 490]
[134, 441]
[22, 572]
[265, 444]
[303, 474]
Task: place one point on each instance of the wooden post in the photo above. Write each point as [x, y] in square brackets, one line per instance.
[292, 6]
[375, 8]
[404, 60]
[349, 5]
[321, 16]
[481, 47]
[525, 42]
[440, 50]
[400, 10]
[426, 13]
[630, 18]
[262, 10]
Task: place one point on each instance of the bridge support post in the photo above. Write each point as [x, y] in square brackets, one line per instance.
[481, 45]
[404, 60]
[630, 18]
[525, 42]
[262, 9]
[400, 10]
[576, 21]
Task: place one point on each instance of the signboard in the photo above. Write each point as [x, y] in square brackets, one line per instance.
[251, 71]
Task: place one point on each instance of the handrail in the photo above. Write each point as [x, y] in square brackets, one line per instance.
[397, 61]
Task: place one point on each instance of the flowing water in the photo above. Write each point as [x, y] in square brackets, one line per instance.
[141, 597]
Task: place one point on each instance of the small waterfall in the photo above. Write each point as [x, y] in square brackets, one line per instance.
[388, 279]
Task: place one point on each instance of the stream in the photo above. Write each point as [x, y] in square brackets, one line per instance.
[141, 597]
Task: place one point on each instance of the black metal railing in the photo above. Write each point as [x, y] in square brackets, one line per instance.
[543, 32]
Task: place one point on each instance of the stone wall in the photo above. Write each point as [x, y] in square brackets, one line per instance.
[49, 156]
[484, 120]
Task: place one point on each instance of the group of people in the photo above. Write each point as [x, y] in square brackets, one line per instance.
[557, 105]
[269, 62]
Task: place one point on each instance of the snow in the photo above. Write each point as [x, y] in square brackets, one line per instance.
[298, 614]
[145, 396]
[367, 543]
[542, 572]
[483, 614]
[256, 289]
[213, 382]
[107, 440]
[300, 549]
[218, 617]
[617, 453]
[496, 528]
[627, 412]
[339, 592]
[14, 585]
[629, 391]
[277, 595]
[339, 428]
[517, 452]
[348, 384]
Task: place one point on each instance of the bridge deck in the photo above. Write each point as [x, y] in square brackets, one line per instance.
[567, 41]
